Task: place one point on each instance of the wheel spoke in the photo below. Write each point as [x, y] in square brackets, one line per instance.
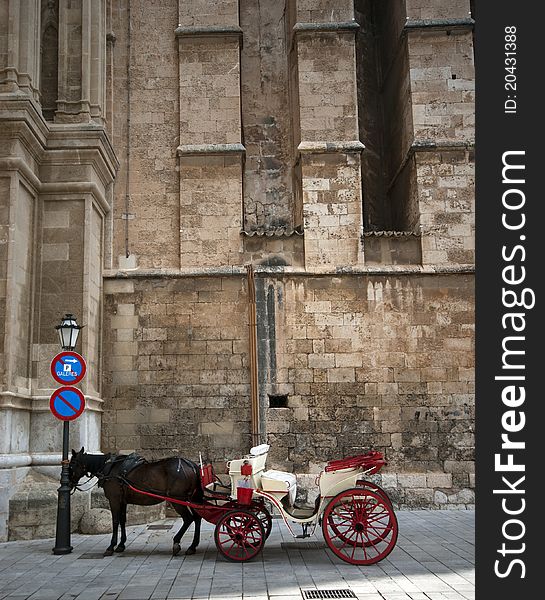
[239, 535]
[359, 526]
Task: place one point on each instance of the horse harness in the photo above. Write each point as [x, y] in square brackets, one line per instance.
[127, 464]
[133, 460]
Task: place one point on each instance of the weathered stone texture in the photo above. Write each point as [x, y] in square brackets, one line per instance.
[209, 90]
[395, 353]
[228, 120]
[16, 265]
[179, 380]
[205, 13]
[210, 211]
[331, 209]
[429, 9]
[267, 116]
[367, 362]
[446, 182]
[324, 11]
[327, 85]
[146, 91]
[442, 85]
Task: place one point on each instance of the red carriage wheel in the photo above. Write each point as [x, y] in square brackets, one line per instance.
[360, 526]
[262, 513]
[239, 535]
[265, 517]
[380, 535]
[375, 488]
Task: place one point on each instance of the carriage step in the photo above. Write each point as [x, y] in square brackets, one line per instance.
[302, 536]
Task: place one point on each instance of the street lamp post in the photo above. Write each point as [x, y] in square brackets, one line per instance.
[68, 331]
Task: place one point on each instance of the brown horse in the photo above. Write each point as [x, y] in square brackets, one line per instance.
[173, 477]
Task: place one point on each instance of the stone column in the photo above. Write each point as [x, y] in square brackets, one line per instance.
[72, 211]
[82, 61]
[329, 147]
[442, 84]
[210, 151]
[20, 28]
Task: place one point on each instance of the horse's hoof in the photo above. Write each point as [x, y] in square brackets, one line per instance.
[108, 552]
[176, 549]
[190, 551]
[119, 548]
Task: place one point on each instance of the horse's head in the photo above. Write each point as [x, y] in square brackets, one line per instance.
[77, 467]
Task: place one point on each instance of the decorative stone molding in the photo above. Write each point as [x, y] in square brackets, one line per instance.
[325, 147]
[210, 149]
[438, 24]
[344, 27]
[212, 30]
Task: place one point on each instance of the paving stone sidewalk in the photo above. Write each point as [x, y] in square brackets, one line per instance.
[433, 560]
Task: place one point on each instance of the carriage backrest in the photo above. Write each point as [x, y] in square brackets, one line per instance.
[343, 473]
[257, 459]
[207, 474]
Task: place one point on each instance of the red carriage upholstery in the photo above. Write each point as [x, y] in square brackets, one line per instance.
[207, 475]
[373, 460]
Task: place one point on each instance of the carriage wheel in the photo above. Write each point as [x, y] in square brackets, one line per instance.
[262, 512]
[239, 535]
[372, 541]
[375, 488]
[360, 526]
[265, 517]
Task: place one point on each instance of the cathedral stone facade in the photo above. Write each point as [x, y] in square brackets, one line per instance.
[263, 214]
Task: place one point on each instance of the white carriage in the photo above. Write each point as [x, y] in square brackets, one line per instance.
[357, 518]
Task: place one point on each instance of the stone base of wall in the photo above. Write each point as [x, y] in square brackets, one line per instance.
[32, 511]
[406, 490]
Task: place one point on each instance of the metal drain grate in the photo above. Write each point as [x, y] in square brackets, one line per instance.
[310, 594]
[159, 526]
[303, 546]
[91, 555]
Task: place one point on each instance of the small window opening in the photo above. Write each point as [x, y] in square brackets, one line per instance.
[454, 76]
[278, 401]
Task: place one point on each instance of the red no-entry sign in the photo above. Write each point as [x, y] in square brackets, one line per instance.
[67, 403]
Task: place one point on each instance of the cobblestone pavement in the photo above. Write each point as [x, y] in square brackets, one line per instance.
[433, 560]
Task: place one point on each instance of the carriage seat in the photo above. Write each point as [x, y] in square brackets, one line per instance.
[280, 483]
[256, 459]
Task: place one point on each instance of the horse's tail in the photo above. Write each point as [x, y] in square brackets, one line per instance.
[198, 492]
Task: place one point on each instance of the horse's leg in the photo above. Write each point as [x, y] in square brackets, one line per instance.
[122, 522]
[197, 535]
[187, 517]
[115, 509]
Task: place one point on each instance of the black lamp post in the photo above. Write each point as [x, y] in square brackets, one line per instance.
[68, 330]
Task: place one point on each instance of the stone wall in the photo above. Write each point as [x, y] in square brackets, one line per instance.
[178, 379]
[266, 116]
[173, 123]
[381, 362]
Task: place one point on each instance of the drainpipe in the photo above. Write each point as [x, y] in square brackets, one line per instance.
[252, 332]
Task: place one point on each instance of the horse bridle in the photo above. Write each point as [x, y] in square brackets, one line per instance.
[78, 485]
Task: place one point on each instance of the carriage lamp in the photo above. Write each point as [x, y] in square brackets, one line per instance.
[68, 331]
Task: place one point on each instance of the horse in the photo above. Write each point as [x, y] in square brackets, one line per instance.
[172, 477]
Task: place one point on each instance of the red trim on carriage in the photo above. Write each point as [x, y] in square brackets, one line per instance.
[207, 474]
[209, 512]
[371, 460]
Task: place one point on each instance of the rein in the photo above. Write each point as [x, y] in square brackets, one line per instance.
[79, 485]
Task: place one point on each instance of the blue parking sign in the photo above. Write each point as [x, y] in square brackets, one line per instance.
[68, 368]
[67, 403]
